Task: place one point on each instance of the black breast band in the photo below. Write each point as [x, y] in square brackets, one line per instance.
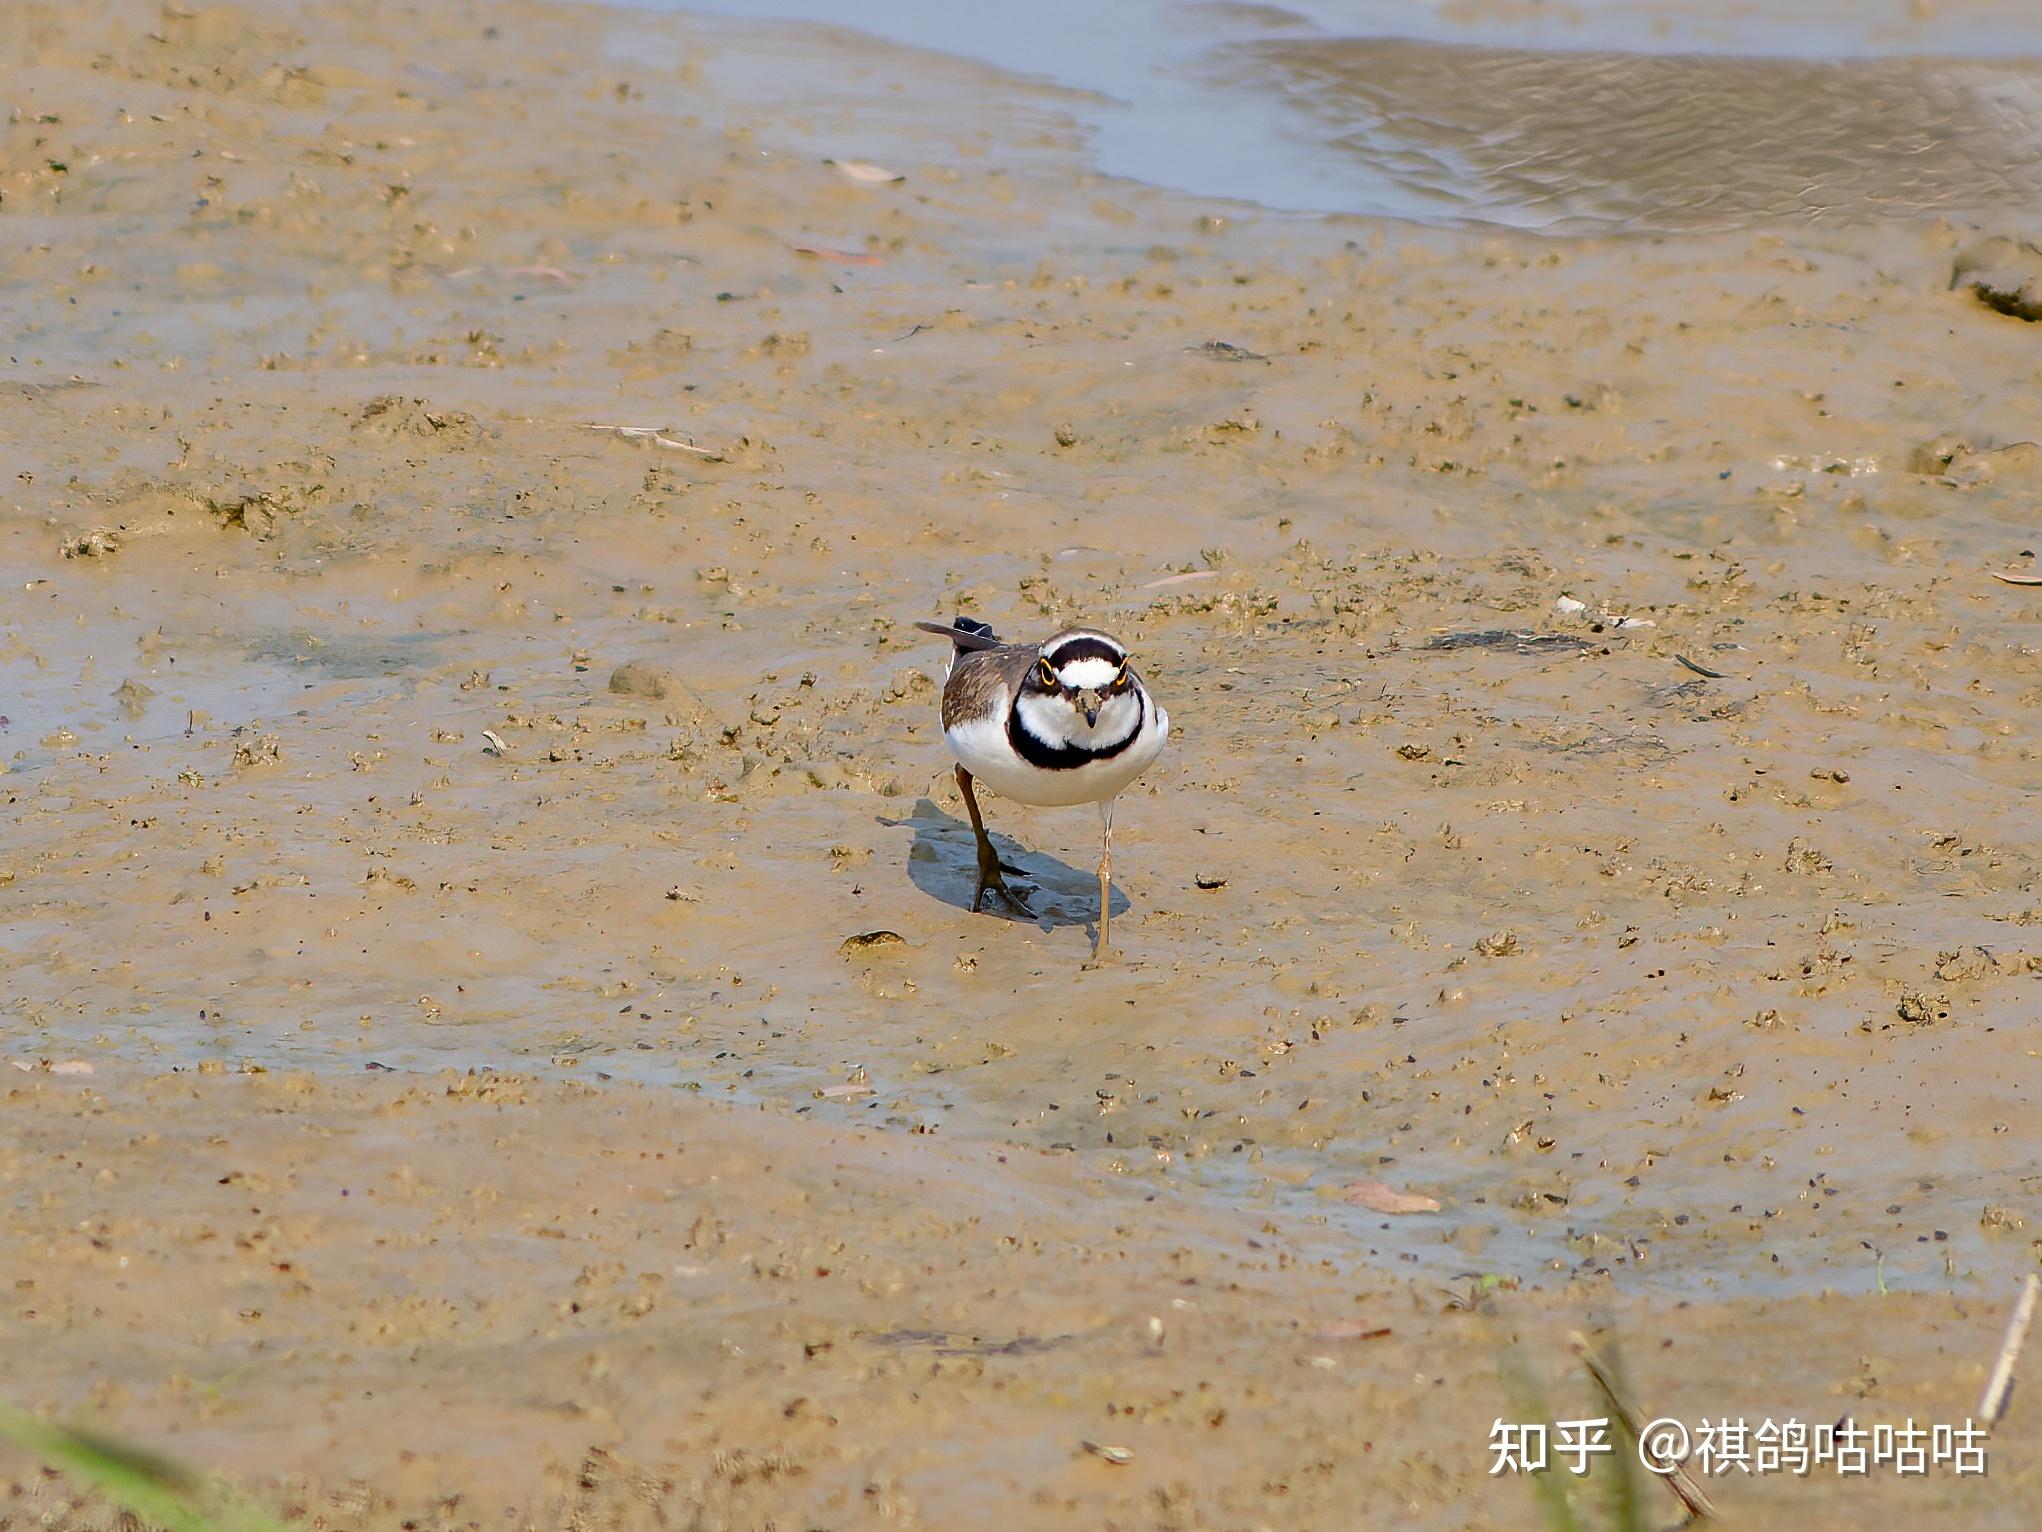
[1037, 751]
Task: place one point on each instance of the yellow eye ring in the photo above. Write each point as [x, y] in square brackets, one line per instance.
[1045, 674]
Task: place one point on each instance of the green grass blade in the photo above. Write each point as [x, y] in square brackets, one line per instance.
[1626, 1488]
[152, 1489]
[1528, 1400]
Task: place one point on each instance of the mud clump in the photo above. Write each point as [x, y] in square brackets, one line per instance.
[134, 508]
[869, 943]
[254, 512]
[1919, 1008]
[262, 750]
[2004, 274]
[399, 415]
[133, 697]
[138, 509]
[635, 678]
[1957, 462]
[100, 543]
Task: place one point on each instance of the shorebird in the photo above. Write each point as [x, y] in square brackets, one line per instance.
[1062, 722]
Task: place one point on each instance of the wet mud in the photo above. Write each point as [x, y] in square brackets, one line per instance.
[469, 495]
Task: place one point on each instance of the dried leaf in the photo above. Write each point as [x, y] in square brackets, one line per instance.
[1378, 1198]
[866, 174]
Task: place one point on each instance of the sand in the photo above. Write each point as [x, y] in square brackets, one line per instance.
[1601, 801]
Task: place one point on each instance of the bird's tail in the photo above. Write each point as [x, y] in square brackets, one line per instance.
[965, 633]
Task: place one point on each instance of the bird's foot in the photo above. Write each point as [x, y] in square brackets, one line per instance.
[990, 881]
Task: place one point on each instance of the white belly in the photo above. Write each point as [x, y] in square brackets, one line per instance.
[983, 749]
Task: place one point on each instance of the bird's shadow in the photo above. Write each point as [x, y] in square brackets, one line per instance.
[943, 863]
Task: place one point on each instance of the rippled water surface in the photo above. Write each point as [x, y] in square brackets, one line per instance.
[1579, 118]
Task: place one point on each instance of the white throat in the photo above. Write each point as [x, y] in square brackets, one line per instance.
[1056, 722]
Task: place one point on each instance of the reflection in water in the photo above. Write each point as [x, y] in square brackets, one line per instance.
[1580, 142]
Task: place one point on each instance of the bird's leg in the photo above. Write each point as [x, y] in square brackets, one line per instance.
[1100, 950]
[988, 859]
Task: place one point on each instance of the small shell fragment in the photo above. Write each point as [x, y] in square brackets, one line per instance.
[496, 744]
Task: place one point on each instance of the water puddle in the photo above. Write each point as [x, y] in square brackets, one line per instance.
[1585, 118]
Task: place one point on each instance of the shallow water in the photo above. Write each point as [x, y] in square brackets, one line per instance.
[1583, 118]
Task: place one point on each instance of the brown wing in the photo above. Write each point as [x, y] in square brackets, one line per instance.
[983, 682]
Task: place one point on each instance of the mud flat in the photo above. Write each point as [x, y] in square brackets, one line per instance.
[435, 816]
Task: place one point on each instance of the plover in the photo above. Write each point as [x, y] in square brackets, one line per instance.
[1062, 722]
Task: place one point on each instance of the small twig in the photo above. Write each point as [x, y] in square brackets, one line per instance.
[654, 434]
[1993, 1402]
[1683, 1484]
[1700, 670]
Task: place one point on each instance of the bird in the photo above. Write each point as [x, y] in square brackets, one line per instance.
[1053, 724]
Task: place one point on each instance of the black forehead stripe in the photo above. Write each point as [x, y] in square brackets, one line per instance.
[1086, 647]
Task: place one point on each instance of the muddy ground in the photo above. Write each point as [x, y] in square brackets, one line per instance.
[1602, 801]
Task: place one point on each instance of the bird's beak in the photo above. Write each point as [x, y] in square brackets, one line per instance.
[1088, 704]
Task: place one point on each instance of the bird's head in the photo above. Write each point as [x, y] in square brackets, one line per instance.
[1084, 671]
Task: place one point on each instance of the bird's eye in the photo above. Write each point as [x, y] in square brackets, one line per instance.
[1045, 674]
[1120, 681]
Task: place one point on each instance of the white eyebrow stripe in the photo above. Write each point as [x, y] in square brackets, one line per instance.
[1091, 671]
